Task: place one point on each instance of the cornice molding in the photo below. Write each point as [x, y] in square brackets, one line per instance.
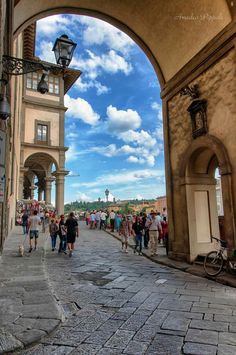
[43, 147]
[44, 103]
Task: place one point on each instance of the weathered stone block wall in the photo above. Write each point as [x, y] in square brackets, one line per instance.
[218, 86]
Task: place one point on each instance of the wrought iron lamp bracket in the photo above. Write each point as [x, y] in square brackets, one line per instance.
[17, 66]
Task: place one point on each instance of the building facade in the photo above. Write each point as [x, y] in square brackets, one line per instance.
[42, 130]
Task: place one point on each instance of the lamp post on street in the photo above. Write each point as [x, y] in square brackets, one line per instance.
[107, 194]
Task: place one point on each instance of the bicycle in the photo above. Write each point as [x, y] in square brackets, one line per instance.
[215, 260]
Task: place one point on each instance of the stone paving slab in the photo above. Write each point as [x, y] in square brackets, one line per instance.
[115, 303]
[161, 258]
[197, 349]
[32, 311]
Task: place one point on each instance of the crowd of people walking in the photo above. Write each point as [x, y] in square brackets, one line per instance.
[147, 229]
[59, 228]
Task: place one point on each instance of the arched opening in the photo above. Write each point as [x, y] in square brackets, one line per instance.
[37, 181]
[205, 163]
[159, 27]
[76, 126]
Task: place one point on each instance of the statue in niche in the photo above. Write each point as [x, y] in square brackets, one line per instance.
[198, 116]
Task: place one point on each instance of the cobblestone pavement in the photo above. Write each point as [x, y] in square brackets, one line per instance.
[117, 303]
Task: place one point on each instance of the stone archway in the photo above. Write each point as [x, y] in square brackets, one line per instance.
[168, 39]
[180, 51]
[39, 165]
[198, 186]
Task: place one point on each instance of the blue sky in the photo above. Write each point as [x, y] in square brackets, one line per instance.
[113, 125]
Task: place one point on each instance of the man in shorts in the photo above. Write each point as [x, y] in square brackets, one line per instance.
[34, 222]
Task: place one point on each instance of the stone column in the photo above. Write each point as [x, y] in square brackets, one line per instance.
[32, 188]
[48, 189]
[21, 183]
[40, 193]
[60, 181]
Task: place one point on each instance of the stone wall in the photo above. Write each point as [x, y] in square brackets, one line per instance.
[218, 86]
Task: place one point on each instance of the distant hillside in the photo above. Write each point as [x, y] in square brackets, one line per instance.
[97, 205]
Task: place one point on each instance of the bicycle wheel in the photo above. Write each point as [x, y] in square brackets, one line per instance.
[213, 263]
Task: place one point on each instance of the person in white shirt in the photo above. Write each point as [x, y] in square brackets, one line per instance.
[98, 217]
[112, 220]
[34, 222]
[154, 227]
[103, 217]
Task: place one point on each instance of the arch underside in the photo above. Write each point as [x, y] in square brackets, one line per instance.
[171, 33]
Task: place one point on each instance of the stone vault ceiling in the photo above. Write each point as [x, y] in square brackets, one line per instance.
[170, 32]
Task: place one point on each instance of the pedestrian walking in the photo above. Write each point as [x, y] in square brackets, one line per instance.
[118, 218]
[25, 221]
[34, 223]
[138, 230]
[62, 235]
[130, 224]
[103, 220]
[145, 231]
[112, 220]
[92, 220]
[154, 226]
[53, 230]
[98, 218]
[124, 233]
[72, 232]
[164, 225]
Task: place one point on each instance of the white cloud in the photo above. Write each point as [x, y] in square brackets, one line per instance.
[83, 197]
[45, 52]
[139, 154]
[49, 26]
[72, 153]
[108, 151]
[81, 109]
[100, 32]
[159, 133]
[157, 107]
[133, 159]
[112, 150]
[150, 160]
[71, 136]
[101, 89]
[121, 121]
[141, 138]
[94, 65]
[83, 86]
[123, 178]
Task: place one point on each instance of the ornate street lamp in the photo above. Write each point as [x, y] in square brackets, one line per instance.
[107, 194]
[63, 49]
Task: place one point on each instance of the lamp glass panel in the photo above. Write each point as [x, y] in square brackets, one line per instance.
[50, 87]
[29, 83]
[34, 84]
